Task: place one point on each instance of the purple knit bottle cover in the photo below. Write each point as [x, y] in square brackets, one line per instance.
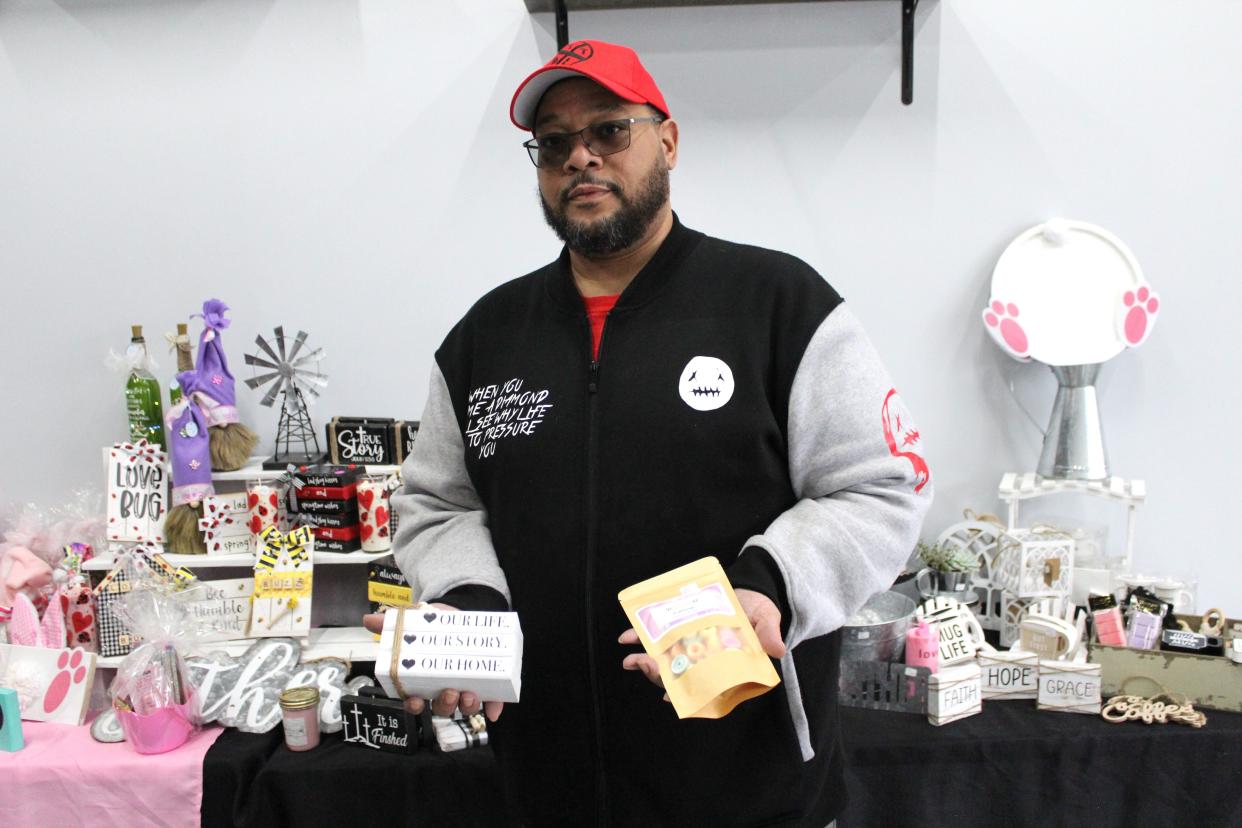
[215, 387]
[189, 448]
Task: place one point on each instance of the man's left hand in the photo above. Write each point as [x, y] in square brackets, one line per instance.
[762, 612]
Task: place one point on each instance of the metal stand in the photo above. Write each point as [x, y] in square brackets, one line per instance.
[295, 428]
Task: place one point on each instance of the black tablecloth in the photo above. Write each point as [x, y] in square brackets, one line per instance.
[1009, 766]
[1013, 765]
[254, 780]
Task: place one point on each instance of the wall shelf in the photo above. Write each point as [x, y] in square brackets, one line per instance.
[561, 9]
[353, 644]
[242, 559]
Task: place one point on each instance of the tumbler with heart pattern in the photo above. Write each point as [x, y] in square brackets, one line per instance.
[266, 501]
[77, 601]
[373, 513]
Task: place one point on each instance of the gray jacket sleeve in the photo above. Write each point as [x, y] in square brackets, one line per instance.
[442, 539]
[857, 467]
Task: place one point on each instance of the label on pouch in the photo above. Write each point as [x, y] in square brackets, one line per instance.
[694, 602]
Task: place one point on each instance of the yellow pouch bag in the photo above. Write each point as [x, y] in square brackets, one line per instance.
[690, 622]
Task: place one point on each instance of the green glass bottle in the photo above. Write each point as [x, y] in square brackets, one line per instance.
[185, 361]
[142, 394]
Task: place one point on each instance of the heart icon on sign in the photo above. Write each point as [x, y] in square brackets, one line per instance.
[410, 639]
[407, 663]
[429, 617]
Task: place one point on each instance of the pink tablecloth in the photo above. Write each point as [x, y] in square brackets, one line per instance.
[64, 777]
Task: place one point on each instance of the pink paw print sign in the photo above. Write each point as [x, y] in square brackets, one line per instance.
[1069, 293]
[53, 685]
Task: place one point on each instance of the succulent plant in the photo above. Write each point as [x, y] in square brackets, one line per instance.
[948, 558]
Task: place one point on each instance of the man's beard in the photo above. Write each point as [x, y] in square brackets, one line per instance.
[623, 228]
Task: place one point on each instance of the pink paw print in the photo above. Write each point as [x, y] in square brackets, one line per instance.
[1138, 311]
[1002, 322]
[71, 672]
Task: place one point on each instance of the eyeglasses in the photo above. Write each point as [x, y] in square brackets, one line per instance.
[605, 138]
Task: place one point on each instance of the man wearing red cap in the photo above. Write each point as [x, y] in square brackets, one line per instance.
[652, 397]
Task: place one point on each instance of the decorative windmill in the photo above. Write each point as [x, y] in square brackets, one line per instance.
[292, 378]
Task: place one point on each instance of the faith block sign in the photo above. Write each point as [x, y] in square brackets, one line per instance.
[954, 693]
[137, 492]
[424, 650]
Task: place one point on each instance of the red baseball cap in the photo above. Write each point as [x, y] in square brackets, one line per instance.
[616, 68]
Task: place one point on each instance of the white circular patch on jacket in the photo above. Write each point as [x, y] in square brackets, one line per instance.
[706, 383]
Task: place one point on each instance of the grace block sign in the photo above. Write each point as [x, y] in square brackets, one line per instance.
[954, 693]
[1070, 687]
[425, 650]
[137, 492]
[1009, 674]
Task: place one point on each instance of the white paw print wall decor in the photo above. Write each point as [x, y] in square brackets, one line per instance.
[1069, 293]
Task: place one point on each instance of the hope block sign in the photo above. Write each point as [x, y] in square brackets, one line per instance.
[1012, 674]
[424, 650]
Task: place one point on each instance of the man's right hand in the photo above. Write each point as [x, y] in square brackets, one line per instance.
[448, 700]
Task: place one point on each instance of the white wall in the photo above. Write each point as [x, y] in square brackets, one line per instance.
[348, 168]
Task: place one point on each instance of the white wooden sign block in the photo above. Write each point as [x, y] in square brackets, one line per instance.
[283, 584]
[424, 650]
[53, 685]
[137, 492]
[222, 607]
[960, 633]
[1070, 687]
[226, 504]
[954, 693]
[1009, 674]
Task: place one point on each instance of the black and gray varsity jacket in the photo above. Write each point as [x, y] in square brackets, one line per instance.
[736, 408]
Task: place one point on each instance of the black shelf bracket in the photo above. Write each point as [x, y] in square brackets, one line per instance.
[907, 49]
[562, 25]
[561, 11]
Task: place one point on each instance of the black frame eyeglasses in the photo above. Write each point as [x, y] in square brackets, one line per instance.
[604, 138]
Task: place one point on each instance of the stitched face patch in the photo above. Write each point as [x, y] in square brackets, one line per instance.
[903, 438]
[706, 383]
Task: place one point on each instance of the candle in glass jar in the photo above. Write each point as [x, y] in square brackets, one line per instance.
[299, 712]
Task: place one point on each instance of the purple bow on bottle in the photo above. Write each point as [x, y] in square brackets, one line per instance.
[214, 384]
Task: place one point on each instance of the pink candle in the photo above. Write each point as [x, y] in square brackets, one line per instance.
[923, 646]
[299, 712]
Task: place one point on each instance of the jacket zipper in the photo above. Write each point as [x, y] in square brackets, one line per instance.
[601, 788]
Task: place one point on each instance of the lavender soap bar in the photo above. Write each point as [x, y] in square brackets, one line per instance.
[424, 650]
